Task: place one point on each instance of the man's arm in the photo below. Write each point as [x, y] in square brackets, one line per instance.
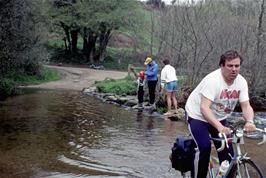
[149, 71]
[248, 115]
[209, 116]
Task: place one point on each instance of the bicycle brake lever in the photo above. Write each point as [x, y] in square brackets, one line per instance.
[223, 142]
[226, 140]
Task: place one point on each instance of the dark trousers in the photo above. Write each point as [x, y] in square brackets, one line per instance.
[200, 132]
[152, 86]
[140, 94]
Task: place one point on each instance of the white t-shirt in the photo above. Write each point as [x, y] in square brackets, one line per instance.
[224, 98]
[168, 74]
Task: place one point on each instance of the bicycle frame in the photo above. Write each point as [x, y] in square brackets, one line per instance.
[237, 139]
[238, 156]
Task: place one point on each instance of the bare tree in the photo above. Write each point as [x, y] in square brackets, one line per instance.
[200, 31]
[258, 68]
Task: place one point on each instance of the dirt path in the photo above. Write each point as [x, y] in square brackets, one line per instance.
[74, 78]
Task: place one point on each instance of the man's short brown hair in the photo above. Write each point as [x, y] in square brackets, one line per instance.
[228, 56]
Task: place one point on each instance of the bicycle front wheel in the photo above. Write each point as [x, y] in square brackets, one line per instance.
[246, 169]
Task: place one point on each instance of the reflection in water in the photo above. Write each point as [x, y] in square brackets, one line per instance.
[52, 134]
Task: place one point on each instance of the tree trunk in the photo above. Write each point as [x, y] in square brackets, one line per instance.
[89, 44]
[74, 40]
[92, 46]
[103, 45]
[105, 34]
[85, 42]
[68, 41]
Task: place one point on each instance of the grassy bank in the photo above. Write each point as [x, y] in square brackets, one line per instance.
[9, 83]
[128, 86]
[46, 75]
[124, 86]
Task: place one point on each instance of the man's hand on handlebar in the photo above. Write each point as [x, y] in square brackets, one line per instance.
[225, 130]
[249, 127]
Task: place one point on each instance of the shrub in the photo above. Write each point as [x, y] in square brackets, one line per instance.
[9, 82]
[7, 86]
[121, 86]
[45, 75]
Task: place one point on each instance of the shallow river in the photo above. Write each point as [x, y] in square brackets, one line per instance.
[63, 134]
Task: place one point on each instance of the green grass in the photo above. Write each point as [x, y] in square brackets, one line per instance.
[118, 51]
[60, 44]
[46, 75]
[125, 86]
[9, 82]
[162, 109]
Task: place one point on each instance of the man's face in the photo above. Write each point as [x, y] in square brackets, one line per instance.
[230, 70]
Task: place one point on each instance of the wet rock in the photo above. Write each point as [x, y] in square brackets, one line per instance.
[121, 100]
[111, 98]
[126, 100]
[131, 103]
[183, 96]
[180, 113]
[89, 90]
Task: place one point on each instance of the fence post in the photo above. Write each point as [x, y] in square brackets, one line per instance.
[129, 69]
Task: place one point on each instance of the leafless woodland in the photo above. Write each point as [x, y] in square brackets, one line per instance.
[194, 34]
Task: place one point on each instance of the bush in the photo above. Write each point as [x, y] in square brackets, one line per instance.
[45, 75]
[9, 82]
[7, 87]
[122, 86]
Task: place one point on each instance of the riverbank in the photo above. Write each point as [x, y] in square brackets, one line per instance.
[81, 78]
[78, 78]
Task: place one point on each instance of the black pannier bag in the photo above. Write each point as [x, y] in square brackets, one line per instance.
[182, 155]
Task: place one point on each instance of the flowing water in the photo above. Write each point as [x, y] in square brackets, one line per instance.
[65, 134]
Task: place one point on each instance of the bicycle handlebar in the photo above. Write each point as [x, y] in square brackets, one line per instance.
[224, 139]
[263, 137]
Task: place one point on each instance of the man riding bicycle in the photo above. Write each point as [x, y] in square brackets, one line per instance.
[210, 103]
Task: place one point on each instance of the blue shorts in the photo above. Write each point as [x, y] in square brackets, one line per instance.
[171, 86]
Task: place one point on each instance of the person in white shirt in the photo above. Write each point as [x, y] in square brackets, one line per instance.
[169, 84]
[211, 103]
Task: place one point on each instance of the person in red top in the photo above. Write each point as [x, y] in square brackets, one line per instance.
[141, 83]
